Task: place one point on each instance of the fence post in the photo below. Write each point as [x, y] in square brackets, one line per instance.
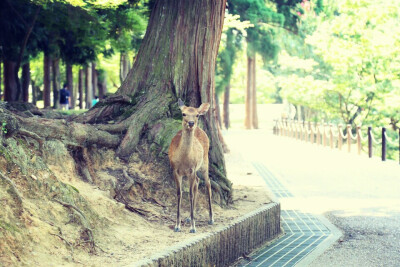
[370, 141]
[383, 144]
[331, 135]
[340, 140]
[324, 136]
[318, 133]
[359, 140]
[349, 138]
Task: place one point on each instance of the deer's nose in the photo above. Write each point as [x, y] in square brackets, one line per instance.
[191, 123]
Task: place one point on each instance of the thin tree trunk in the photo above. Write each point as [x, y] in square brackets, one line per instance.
[124, 66]
[34, 92]
[46, 81]
[226, 106]
[254, 94]
[248, 96]
[1, 68]
[218, 111]
[26, 80]
[102, 86]
[88, 86]
[80, 88]
[94, 81]
[70, 84]
[10, 84]
[56, 83]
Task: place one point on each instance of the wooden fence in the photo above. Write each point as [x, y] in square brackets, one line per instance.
[333, 135]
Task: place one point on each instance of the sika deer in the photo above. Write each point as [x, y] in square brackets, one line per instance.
[188, 153]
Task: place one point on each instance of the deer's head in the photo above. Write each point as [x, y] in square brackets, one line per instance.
[190, 115]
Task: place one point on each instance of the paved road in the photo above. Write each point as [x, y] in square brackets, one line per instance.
[358, 195]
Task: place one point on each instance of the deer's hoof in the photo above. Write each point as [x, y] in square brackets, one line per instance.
[187, 220]
[211, 222]
[193, 231]
[177, 229]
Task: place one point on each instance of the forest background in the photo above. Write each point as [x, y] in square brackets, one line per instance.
[336, 61]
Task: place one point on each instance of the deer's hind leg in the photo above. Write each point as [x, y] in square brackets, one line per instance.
[194, 184]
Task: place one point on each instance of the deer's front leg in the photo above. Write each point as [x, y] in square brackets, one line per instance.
[178, 181]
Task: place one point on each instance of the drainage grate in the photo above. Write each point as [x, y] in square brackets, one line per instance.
[274, 184]
[304, 232]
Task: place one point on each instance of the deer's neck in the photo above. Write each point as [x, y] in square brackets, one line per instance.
[187, 140]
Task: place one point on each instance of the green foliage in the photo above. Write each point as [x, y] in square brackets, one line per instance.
[360, 63]
[3, 127]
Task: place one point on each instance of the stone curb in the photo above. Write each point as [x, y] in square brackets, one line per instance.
[224, 245]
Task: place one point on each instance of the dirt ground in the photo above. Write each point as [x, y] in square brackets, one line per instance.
[99, 230]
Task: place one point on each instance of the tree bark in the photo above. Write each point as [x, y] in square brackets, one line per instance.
[10, 83]
[254, 94]
[80, 88]
[56, 83]
[26, 80]
[70, 84]
[226, 106]
[88, 86]
[46, 81]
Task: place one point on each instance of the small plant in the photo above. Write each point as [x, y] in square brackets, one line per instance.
[3, 127]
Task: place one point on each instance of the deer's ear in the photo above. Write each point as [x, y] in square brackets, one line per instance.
[203, 108]
[180, 103]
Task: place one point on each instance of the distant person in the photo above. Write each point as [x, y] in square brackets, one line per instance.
[64, 97]
[95, 100]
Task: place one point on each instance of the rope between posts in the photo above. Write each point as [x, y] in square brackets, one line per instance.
[390, 141]
[352, 136]
[374, 140]
[363, 139]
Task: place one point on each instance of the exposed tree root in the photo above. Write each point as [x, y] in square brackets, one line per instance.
[14, 191]
[86, 233]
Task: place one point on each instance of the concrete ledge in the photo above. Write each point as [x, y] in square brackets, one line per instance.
[225, 245]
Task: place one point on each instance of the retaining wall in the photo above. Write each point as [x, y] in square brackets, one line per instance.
[225, 245]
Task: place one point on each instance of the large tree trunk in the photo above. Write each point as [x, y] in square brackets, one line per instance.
[56, 83]
[46, 81]
[88, 86]
[176, 59]
[26, 80]
[226, 106]
[70, 84]
[10, 82]
[80, 88]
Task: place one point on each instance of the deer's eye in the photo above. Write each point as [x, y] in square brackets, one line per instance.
[197, 115]
[183, 114]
